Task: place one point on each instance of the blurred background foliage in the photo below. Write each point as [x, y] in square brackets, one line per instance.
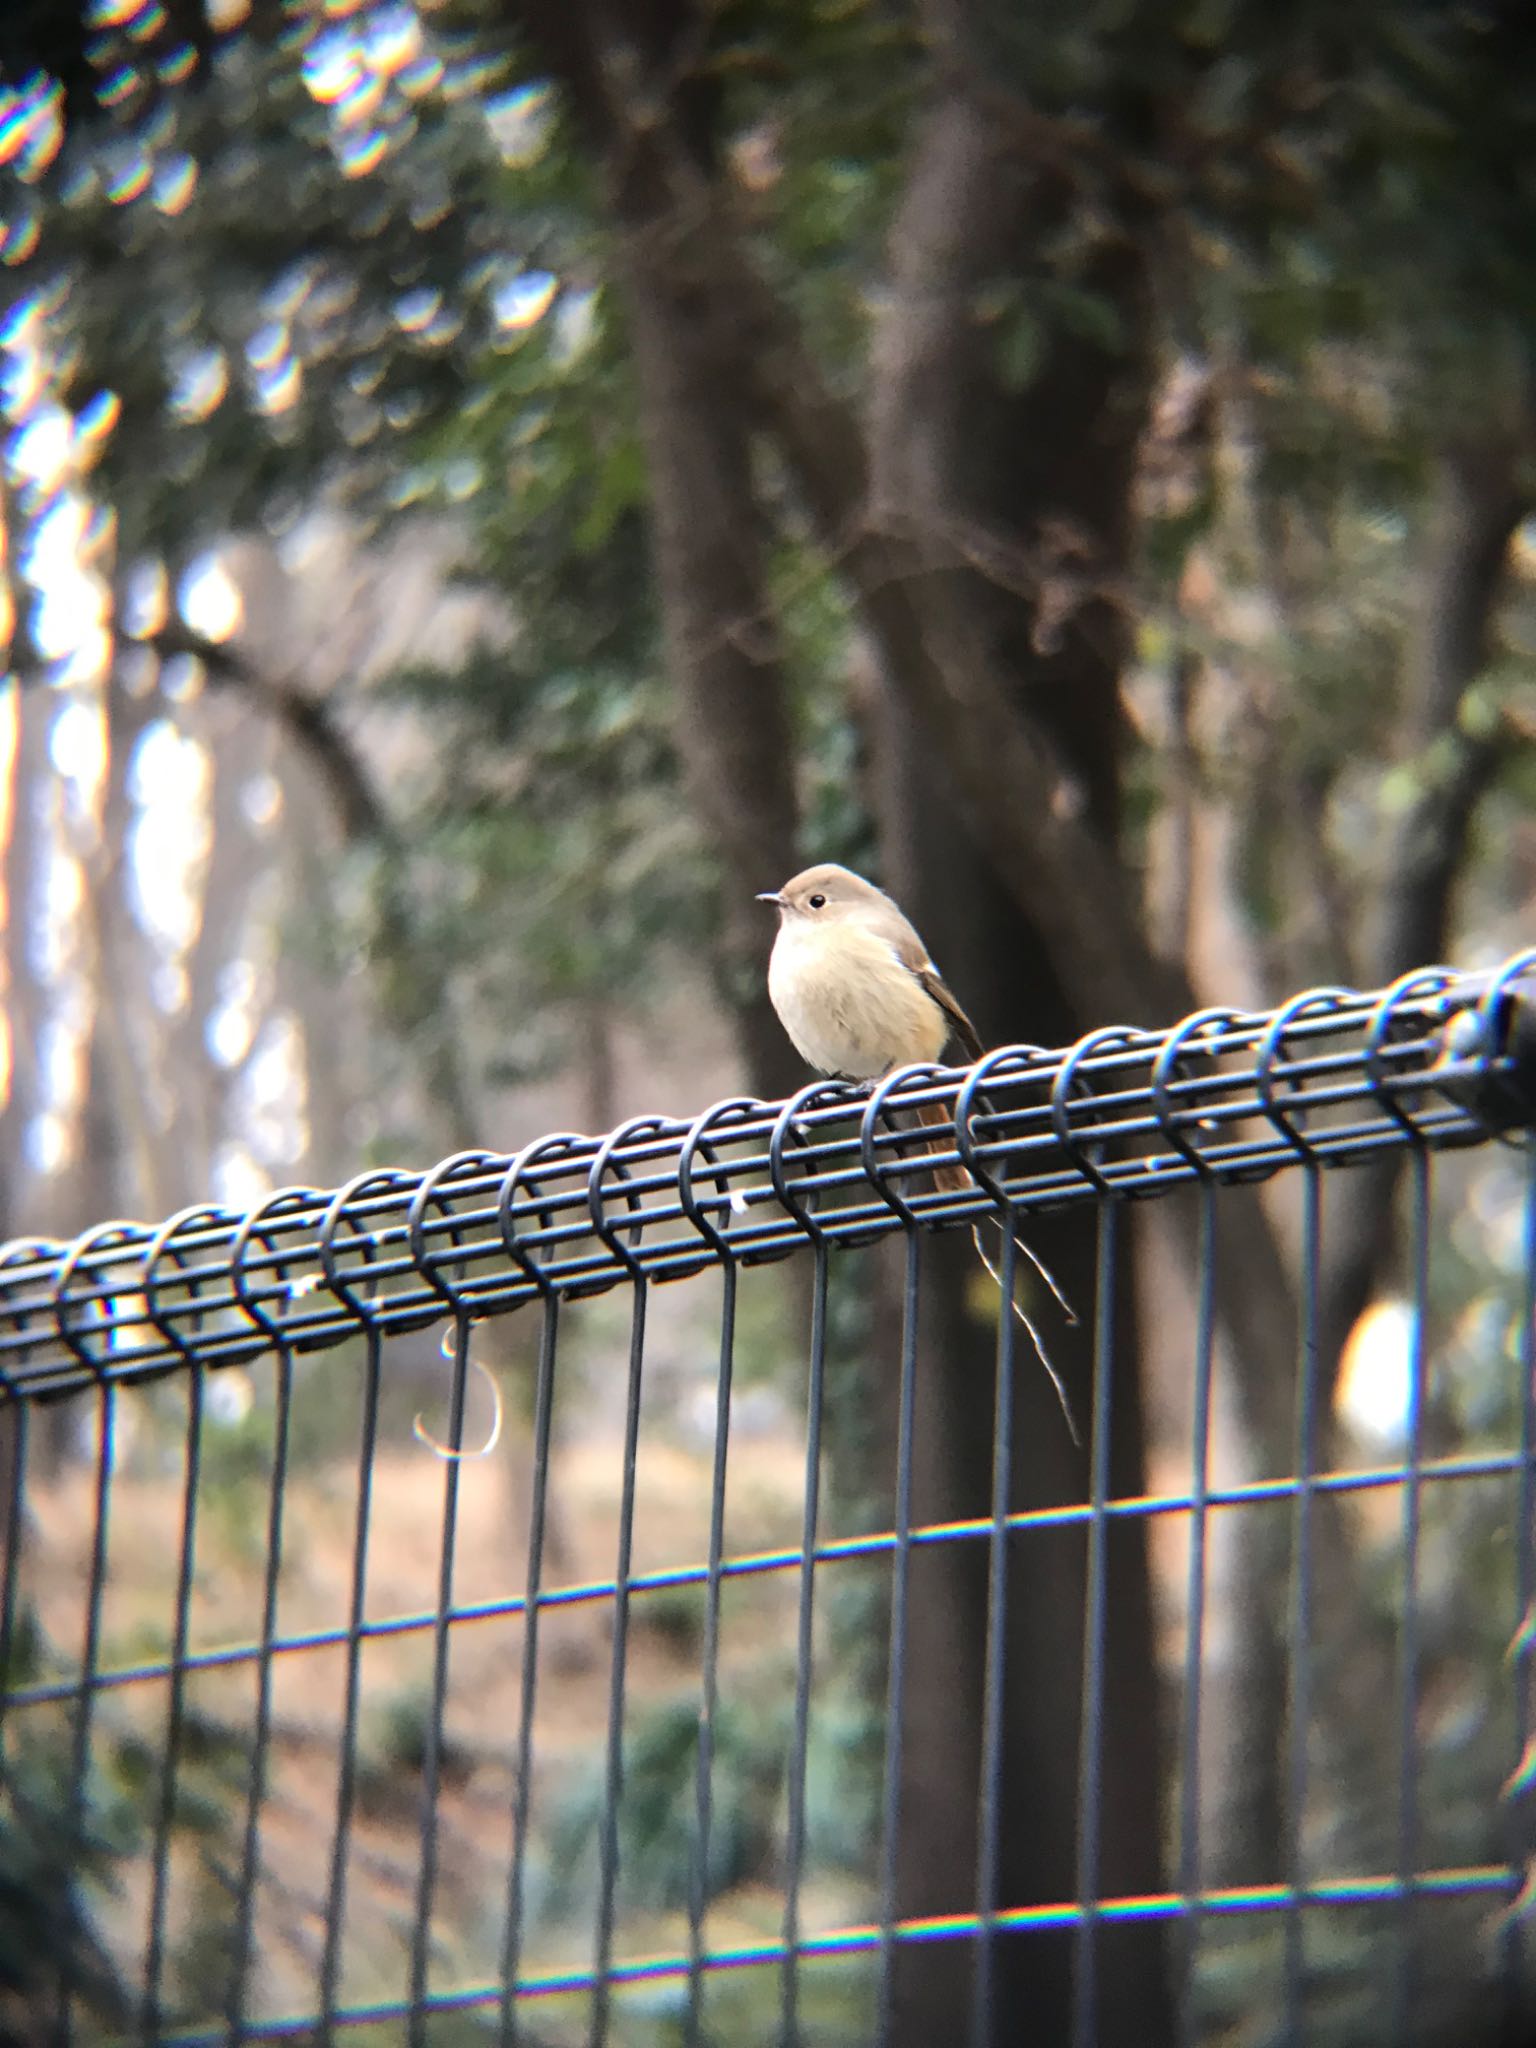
[490, 485]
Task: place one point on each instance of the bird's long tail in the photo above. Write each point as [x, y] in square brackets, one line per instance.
[950, 1176]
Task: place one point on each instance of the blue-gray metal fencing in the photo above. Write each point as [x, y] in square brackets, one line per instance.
[100, 1868]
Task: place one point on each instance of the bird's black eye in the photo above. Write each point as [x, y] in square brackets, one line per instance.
[818, 902]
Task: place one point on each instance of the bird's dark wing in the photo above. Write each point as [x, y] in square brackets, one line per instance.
[913, 955]
[933, 983]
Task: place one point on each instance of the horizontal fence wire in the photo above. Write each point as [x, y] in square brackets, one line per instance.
[1490, 1882]
[1440, 1062]
[876, 1544]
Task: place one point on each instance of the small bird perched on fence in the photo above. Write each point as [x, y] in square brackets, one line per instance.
[854, 987]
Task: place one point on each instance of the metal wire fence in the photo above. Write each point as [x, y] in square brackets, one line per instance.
[254, 1792]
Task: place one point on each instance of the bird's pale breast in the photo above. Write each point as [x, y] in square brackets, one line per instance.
[849, 1004]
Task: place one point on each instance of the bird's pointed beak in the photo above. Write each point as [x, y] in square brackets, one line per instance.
[773, 896]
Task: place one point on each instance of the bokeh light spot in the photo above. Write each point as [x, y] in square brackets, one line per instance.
[209, 599]
[521, 122]
[278, 389]
[522, 301]
[174, 183]
[130, 180]
[199, 382]
[357, 155]
[414, 310]
[31, 125]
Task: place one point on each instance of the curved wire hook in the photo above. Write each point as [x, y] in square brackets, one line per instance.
[252, 1226]
[815, 1092]
[744, 1109]
[162, 1243]
[900, 1080]
[606, 1156]
[1179, 1041]
[1312, 1002]
[559, 1146]
[426, 1263]
[1522, 963]
[24, 1251]
[1422, 981]
[993, 1067]
[104, 1236]
[1068, 1078]
[432, 1187]
[385, 1179]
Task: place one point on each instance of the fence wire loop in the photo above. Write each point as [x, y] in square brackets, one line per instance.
[254, 1228]
[106, 1236]
[1316, 1002]
[883, 1174]
[609, 1158]
[520, 1176]
[1174, 1124]
[1425, 981]
[1071, 1085]
[436, 1192]
[737, 1109]
[23, 1253]
[1009, 1061]
[379, 1179]
[788, 1136]
[163, 1245]
[1487, 1062]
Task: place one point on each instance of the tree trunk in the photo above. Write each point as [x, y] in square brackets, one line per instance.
[989, 954]
[998, 489]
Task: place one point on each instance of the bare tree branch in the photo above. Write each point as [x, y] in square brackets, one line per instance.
[411, 985]
[309, 723]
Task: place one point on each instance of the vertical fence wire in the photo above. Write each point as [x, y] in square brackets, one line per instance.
[352, 1692]
[709, 1659]
[1512, 1932]
[1085, 2002]
[170, 1750]
[896, 1672]
[432, 1748]
[509, 2027]
[14, 1417]
[794, 1845]
[1190, 1866]
[989, 1791]
[90, 1653]
[237, 2006]
[613, 1791]
[1299, 1615]
[1408, 1675]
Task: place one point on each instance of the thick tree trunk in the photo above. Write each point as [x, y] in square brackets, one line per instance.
[989, 954]
[1007, 497]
